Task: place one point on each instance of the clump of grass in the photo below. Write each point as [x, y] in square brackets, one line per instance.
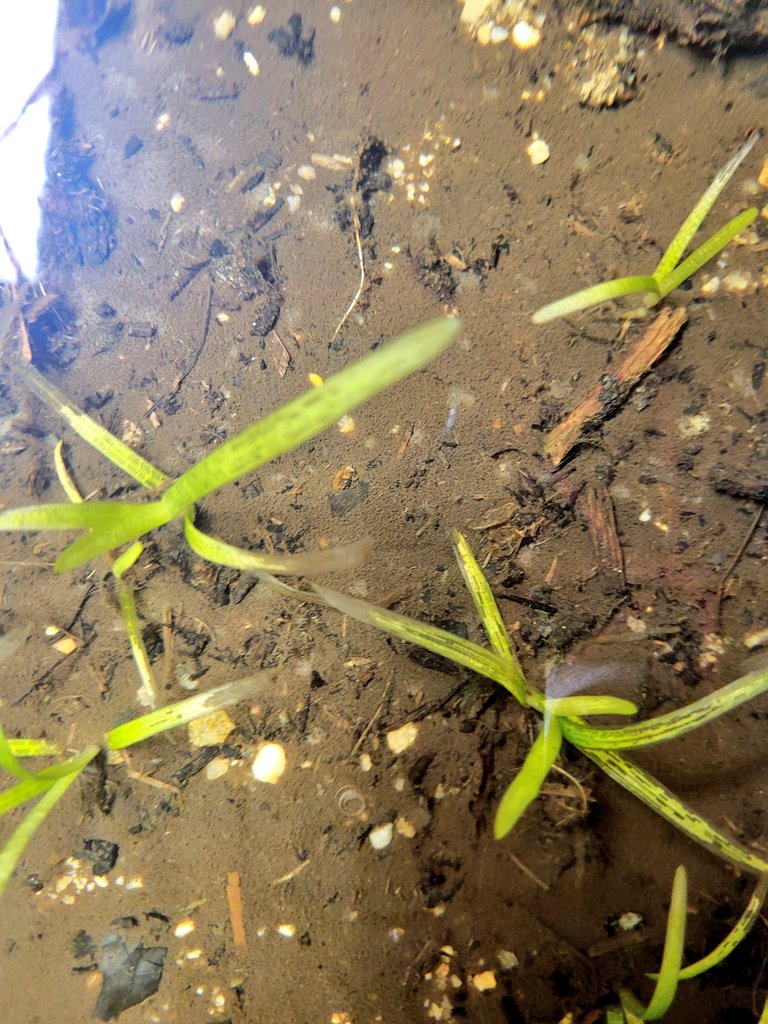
[111, 524]
[49, 785]
[563, 719]
[670, 273]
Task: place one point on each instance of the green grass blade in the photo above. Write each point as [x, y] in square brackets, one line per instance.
[26, 747]
[630, 1007]
[693, 221]
[147, 693]
[88, 429]
[184, 711]
[583, 705]
[490, 615]
[651, 792]
[672, 957]
[132, 522]
[313, 563]
[705, 252]
[734, 937]
[595, 295]
[16, 844]
[96, 515]
[439, 641]
[8, 760]
[307, 415]
[16, 795]
[674, 723]
[126, 560]
[72, 764]
[526, 785]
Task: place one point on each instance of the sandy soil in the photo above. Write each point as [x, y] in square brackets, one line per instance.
[179, 326]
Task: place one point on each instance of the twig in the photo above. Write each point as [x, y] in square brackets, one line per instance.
[235, 904]
[725, 578]
[361, 738]
[527, 871]
[358, 244]
[610, 391]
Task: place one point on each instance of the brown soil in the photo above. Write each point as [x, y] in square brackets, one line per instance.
[138, 327]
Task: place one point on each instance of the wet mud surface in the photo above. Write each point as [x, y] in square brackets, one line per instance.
[195, 280]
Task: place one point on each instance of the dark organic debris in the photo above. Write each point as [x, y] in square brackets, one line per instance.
[130, 976]
[78, 220]
[291, 42]
[102, 853]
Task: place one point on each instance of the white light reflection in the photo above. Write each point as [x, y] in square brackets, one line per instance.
[27, 41]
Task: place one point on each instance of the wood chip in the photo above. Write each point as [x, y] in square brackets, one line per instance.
[610, 391]
[235, 904]
[601, 519]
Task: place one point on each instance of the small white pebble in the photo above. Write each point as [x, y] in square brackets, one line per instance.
[335, 14]
[365, 763]
[219, 1001]
[222, 318]
[739, 282]
[711, 286]
[251, 63]
[507, 959]
[400, 739]
[395, 934]
[293, 202]
[499, 34]
[224, 25]
[694, 426]
[405, 828]
[178, 202]
[307, 172]
[425, 159]
[484, 33]
[216, 768]
[538, 152]
[185, 927]
[162, 122]
[484, 981]
[396, 168]
[257, 15]
[193, 954]
[525, 36]
[269, 763]
[286, 930]
[381, 837]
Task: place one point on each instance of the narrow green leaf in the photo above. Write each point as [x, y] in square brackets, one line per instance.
[66, 516]
[148, 691]
[88, 429]
[27, 747]
[14, 796]
[313, 563]
[705, 252]
[692, 222]
[526, 785]
[672, 957]
[595, 295]
[674, 723]
[307, 415]
[439, 641]
[490, 615]
[132, 522]
[184, 711]
[651, 792]
[734, 937]
[16, 844]
[126, 560]
[8, 760]
[583, 705]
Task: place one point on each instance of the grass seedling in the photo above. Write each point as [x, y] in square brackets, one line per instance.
[112, 524]
[50, 784]
[563, 718]
[670, 273]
